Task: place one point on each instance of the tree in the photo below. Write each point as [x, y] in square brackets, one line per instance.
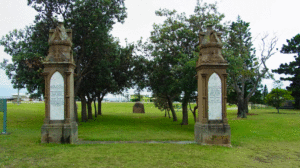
[173, 51]
[277, 97]
[161, 104]
[257, 96]
[91, 22]
[293, 68]
[35, 96]
[265, 92]
[245, 69]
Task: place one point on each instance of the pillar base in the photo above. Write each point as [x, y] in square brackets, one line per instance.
[212, 134]
[60, 133]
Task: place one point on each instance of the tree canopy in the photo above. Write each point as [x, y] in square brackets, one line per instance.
[293, 68]
[99, 58]
[245, 68]
[277, 97]
[172, 51]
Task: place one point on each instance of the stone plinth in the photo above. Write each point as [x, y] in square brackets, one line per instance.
[138, 108]
[59, 133]
[212, 134]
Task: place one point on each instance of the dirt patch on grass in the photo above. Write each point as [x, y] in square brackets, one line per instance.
[261, 159]
[280, 113]
[269, 157]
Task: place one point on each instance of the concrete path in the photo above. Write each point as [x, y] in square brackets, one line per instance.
[126, 142]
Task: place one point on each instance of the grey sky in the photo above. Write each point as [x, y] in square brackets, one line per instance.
[272, 16]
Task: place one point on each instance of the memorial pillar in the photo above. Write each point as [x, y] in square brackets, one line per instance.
[212, 126]
[59, 125]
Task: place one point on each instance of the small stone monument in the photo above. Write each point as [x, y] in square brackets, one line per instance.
[138, 108]
[60, 124]
[212, 124]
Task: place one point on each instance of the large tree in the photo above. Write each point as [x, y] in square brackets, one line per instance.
[91, 22]
[293, 68]
[173, 51]
[245, 68]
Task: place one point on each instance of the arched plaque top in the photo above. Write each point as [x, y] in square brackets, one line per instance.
[57, 97]
[56, 78]
[214, 80]
[214, 97]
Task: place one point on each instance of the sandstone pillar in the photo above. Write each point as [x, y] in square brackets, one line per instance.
[59, 125]
[212, 126]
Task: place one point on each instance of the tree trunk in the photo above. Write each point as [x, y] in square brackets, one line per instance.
[165, 113]
[77, 92]
[184, 113]
[172, 109]
[90, 112]
[83, 108]
[89, 104]
[242, 108]
[95, 108]
[169, 113]
[99, 105]
[76, 111]
[278, 110]
[194, 113]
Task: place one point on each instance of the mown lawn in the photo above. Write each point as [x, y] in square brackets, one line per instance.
[265, 139]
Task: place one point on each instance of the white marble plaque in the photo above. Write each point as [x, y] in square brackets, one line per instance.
[214, 97]
[57, 97]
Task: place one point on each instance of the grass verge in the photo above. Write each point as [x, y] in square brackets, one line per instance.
[265, 139]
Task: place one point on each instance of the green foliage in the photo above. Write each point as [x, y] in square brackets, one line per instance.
[239, 53]
[293, 68]
[161, 103]
[265, 92]
[35, 96]
[91, 22]
[172, 51]
[27, 48]
[245, 70]
[257, 96]
[277, 97]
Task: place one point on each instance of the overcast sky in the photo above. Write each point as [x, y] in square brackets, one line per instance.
[272, 16]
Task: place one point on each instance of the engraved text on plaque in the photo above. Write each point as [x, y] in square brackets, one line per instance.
[57, 97]
[214, 97]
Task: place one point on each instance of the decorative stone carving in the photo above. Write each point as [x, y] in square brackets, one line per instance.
[60, 43]
[212, 125]
[210, 47]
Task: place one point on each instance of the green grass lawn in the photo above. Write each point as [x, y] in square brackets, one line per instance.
[265, 139]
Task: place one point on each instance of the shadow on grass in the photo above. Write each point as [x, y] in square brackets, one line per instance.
[135, 127]
[279, 113]
[163, 123]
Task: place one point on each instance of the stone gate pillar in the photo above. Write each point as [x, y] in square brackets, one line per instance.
[60, 124]
[212, 125]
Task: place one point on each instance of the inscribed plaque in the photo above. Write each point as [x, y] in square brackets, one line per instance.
[57, 97]
[214, 97]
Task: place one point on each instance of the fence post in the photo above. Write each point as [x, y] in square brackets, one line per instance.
[3, 108]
